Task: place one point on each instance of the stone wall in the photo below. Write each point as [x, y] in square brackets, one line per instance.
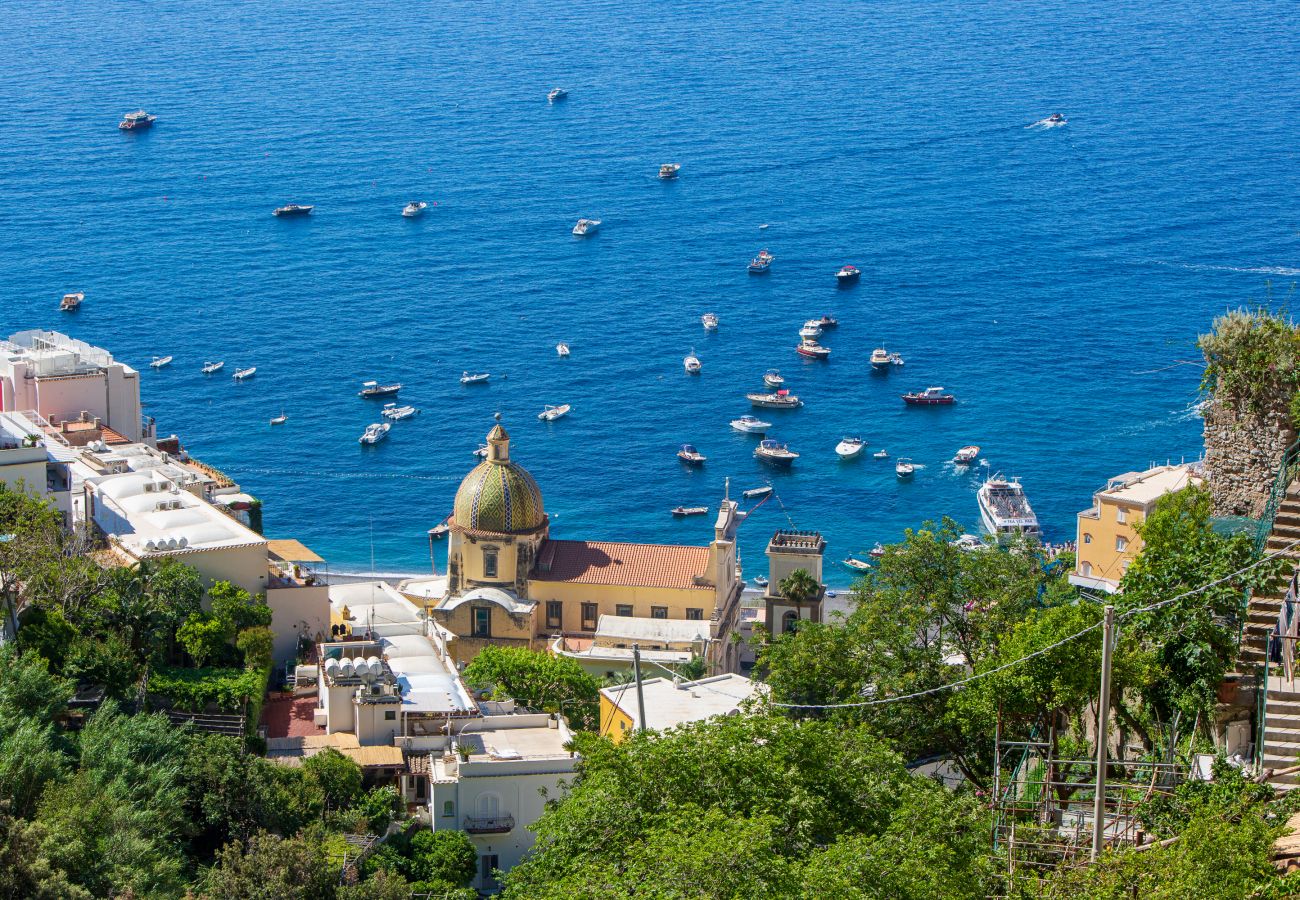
[1242, 454]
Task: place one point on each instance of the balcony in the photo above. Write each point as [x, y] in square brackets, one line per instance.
[489, 824]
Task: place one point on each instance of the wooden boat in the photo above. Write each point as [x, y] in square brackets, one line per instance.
[71, 302]
[371, 389]
[691, 456]
[781, 399]
[775, 452]
[931, 396]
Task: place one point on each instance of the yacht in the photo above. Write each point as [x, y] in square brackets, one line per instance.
[160, 361]
[689, 455]
[414, 208]
[750, 425]
[709, 321]
[755, 493]
[586, 227]
[370, 389]
[1004, 509]
[375, 433]
[137, 121]
[562, 349]
[760, 264]
[904, 468]
[850, 447]
[293, 209]
[241, 374]
[395, 413]
[811, 329]
[690, 510]
[847, 274]
[828, 322]
[70, 302]
[781, 399]
[556, 94]
[967, 455]
[931, 396]
[668, 171]
[880, 359]
[551, 413]
[775, 452]
[857, 565]
[280, 419]
[772, 378]
[475, 377]
[813, 350]
[692, 364]
[211, 367]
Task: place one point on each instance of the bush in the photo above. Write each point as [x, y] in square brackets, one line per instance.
[1252, 358]
[194, 689]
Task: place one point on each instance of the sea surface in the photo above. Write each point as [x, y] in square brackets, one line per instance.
[1055, 280]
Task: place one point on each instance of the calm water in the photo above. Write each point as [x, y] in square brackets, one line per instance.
[1052, 279]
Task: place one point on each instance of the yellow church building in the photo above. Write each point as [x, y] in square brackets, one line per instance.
[509, 583]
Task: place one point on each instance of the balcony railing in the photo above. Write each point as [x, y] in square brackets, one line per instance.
[489, 824]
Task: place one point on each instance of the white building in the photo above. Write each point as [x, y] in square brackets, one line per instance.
[670, 702]
[36, 461]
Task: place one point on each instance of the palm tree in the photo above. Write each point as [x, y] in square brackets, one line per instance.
[800, 587]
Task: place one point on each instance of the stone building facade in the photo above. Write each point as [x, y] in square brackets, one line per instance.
[1242, 453]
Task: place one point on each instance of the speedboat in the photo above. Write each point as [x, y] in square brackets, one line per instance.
[847, 274]
[690, 510]
[904, 468]
[858, 565]
[293, 209]
[813, 350]
[70, 302]
[1052, 121]
[395, 413]
[760, 581]
[775, 452]
[772, 378]
[137, 121]
[551, 413]
[931, 396]
[439, 531]
[1004, 508]
[371, 389]
[850, 447]
[881, 454]
[877, 551]
[760, 264]
[241, 374]
[709, 321]
[556, 94]
[828, 322]
[967, 455]
[880, 359]
[414, 208]
[750, 425]
[210, 367]
[586, 227]
[160, 361]
[482, 451]
[692, 364]
[811, 329]
[895, 359]
[475, 378]
[689, 455]
[668, 171]
[562, 349]
[781, 399]
[755, 493]
[280, 419]
[375, 433]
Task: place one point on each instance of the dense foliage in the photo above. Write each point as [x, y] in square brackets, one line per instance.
[538, 680]
[1252, 359]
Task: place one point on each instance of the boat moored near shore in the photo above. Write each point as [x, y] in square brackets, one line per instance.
[1005, 510]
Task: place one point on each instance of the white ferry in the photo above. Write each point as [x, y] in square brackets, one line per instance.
[1004, 509]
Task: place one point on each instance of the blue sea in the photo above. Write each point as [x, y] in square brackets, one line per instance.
[1055, 280]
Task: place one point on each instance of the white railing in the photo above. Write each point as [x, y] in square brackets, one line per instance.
[1287, 630]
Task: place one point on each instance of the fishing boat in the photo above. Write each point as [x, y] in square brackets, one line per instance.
[71, 302]
[813, 350]
[414, 208]
[750, 425]
[562, 349]
[775, 453]
[755, 493]
[850, 447]
[160, 361]
[760, 264]
[881, 454]
[689, 455]
[475, 377]
[811, 329]
[137, 121]
[967, 455]
[878, 551]
[212, 367]
[880, 359]
[395, 413]
[668, 171]
[931, 396]
[847, 275]
[904, 468]
[280, 419]
[439, 531]
[551, 413]
[781, 399]
[709, 321]
[1004, 508]
[586, 227]
[692, 364]
[760, 581]
[375, 433]
[690, 510]
[556, 94]
[292, 209]
[828, 322]
[241, 374]
[857, 565]
[772, 378]
[372, 389]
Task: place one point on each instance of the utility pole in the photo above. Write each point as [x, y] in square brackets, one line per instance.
[640, 694]
[1103, 723]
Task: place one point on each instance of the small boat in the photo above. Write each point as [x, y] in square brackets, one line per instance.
[668, 171]
[475, 378]
[1053, 121]
[967, 455]
[556, 94]
[880, 359]
[850, 447]
[370, 389]
[160, 361]
[828, 322]
[211, 367]
[968, 542]
[760, 264]
[895, 359]
[241, 374]
[931, 396]
[750, 425]
[280, 419]
[692, 364]
[811, 329]
[772, 378]
[755, 493]
[482, 451]
[690, 510]
[847, 275]
[709, 321]
[562, 349]
[71, 302]
[551, 413]
[760, 581]
[858, 565]
[878, 551]
[414, 208]
[375, 433]
[904, 468]
[395, 413]
[586, 227]
[781, 399]
[813, 350]
[689, 455]
[137, 121]
[293, 209]
[439, 531]
[881, 454]
[775, 452]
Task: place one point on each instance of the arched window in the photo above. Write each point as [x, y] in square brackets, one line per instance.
[1085, 569]
[449, 809]
[789, 622]
[489, 562]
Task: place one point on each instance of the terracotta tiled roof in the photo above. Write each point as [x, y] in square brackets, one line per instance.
[633, 565]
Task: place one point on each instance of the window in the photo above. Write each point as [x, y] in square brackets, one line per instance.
[694, 615]
[1085, 569]
[482, 621]
[623, 609]
[658, 612]
[554, 614]
[449, 809]
[487, 867]
[589, 612]
[420, 789]
[789, 622]
[1087, 538]
[489, 562]
[390, 715]
[489, 806]
[1121, 544]
[1121, 515]
[1123, 566]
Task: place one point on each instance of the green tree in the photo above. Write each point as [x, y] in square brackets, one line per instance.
[382, 885]
[26, 873]
[266, 867]
[204, 637]
[337, 777]
[146, 603]
[258, 646]
[237, 607]
[539, 680]
[443, 856]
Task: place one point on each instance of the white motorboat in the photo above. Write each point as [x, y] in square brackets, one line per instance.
[755, 493]
[71, 302]
[760, 581]
[562, 349]
[375, 433]
[1055, 120]
[811, 329]
[895, 359]
[775, 452]
[781, 399]
[292, 210]
[395, 413]
[968, 542]
[211, 367]
[904, 468]
[586, 227]
[847, 274]
[967, 455]
[813, 350]
[690, 510]
[414, 208]
[881, 454]
[1004, 509]
[772, 378]
[241, 374]
[439, 531]
[551, 413]
[750, 425]
[482, 451]
[709, 321]
[880, 359]
[280, 419]
[691, 456]
[160, 361]
[850, 447]
[668, 171]
[556, 94]
[692, 364]
[857, 565]
[474, 377]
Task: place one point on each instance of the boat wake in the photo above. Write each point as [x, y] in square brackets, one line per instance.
[1043, 124]
[1205, 267]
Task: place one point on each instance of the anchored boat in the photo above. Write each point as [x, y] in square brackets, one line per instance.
[1004, 508]
[931, 396]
